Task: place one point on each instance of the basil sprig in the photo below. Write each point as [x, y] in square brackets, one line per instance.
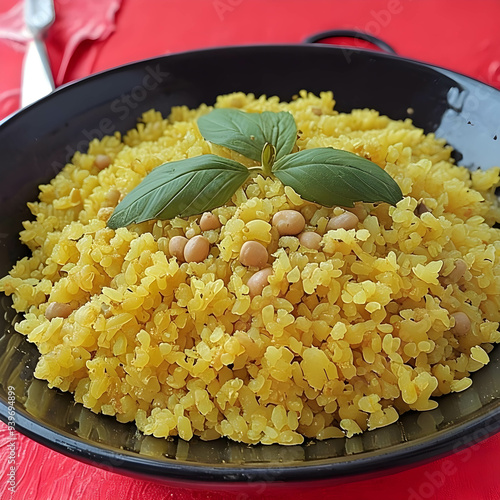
[326, 176]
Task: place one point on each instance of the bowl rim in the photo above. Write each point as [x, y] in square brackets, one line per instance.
[404, 454]
[317, 46]
[400, 456]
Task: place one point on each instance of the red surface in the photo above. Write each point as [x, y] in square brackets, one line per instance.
[458, 34]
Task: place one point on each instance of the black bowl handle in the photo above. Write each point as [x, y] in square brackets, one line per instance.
[359, 35]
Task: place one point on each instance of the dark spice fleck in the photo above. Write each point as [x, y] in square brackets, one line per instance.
[421, 209]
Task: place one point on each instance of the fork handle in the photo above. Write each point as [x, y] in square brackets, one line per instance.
[37, 81]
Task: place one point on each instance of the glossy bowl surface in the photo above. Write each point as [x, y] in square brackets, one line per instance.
[37, 141]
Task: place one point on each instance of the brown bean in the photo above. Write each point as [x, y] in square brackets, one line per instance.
[112, 197]
[359, 210]
[196, 249]
[102, 161]
[462, 323]
[458, 271]
[176, 247]
[209, 221]
[58, 310]
[253, 254]
[258, 281]
[347, 221]
[289, 222]
[310, 239]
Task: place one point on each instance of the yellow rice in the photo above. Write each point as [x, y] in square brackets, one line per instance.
[341, 341]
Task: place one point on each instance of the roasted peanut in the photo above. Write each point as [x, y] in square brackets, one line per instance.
[253, 254]
[209, 221]
[58, 310]
[347, 221]
[258, 281]
[112, 197]
[196, 249]
[462, 323]
[102, 161]
[176, 247]
[458, 271]
[310, 239]
[289, 222]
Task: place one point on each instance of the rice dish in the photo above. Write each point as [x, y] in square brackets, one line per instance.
[383, 317]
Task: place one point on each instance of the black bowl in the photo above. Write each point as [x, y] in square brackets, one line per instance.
[37, 141]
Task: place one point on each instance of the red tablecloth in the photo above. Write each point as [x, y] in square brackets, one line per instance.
[458, 34]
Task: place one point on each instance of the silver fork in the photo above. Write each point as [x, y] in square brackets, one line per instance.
[37, 79]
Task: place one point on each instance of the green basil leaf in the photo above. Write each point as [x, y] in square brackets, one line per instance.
[180, 189]
[334, 177]
[247, 133]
